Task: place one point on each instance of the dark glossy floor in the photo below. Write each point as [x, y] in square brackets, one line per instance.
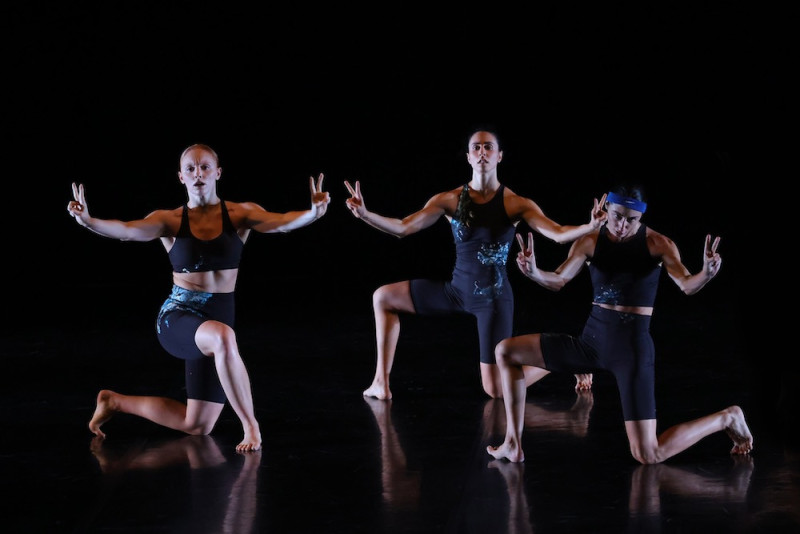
[334, 462]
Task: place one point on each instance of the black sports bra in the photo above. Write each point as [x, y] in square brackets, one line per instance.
[190, 255]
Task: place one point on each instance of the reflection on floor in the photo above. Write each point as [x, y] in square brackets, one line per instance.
[334, 461]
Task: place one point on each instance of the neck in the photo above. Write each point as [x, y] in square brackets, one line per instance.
[201, 201]
[484, 182]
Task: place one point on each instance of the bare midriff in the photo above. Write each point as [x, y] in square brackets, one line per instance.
[223, 281]
[638, 310]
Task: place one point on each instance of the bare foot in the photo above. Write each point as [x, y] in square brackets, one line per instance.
[507, 450]
[583, 382]
[378, 391]
[251, 441]
[106, 407]
[739, 432]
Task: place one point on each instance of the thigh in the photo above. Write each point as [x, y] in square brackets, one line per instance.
[202, 381]
[633, 364]
[495, 324]
[521, 350]
[434, 297]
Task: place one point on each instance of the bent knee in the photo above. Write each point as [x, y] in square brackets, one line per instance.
[200, 428]
[393, 297]
[493, 389]
[502, 352]
[646, 457]
[493, 392]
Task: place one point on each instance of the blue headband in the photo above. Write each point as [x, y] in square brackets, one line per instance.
[628, 202]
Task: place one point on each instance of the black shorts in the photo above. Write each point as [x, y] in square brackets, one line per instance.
[495, 315]
[178, 320]
[616, 342]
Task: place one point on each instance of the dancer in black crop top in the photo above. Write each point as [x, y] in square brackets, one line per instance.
[483, 215]
[204, 240]
[191, 255]
[625, 259]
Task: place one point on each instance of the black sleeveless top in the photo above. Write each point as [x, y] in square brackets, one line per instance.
[191, 255]
[624, 273]
[482, 235]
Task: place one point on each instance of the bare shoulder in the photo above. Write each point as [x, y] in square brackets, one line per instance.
[517, 205]
[658, 243]
[446, 200]
[241, 212]
[586, 243]
[169, 219]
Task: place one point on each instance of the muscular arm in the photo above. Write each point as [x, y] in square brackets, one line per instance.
[533, 215]
[147, 229]
[435, 208]
[689, 283]
[555, 280]
[267, 222]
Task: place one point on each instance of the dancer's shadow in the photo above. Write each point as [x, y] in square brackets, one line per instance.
[661, 493]
[486, 493]
[400, 486]
[540, 416]
[205, 491]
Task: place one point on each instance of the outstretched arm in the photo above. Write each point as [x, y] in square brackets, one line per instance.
[536, 219]
[553, 280]
[146, 229]
[429, 214]
[687, 282]
[267, 222]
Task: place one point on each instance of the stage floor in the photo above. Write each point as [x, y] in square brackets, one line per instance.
[335, 462]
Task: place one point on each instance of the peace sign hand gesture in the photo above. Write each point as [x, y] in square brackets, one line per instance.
[78, 207]
[712, 261]
[356, 201]
[526, 260]
[319, 198]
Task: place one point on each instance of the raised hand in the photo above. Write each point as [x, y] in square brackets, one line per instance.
[712, 261]
[319, 198]
[526, 261]
[77, 207]
[599, 214]
[356, 202]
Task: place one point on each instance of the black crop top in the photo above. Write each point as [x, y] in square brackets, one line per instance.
[624, 273]
[190, 255]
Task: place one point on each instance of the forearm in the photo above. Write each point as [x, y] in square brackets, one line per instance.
[389, 225]
[694, 283]
[568, 233]
[291, 220]
[112, 228]
[547, 280]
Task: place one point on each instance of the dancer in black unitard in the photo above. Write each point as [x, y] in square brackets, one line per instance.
[483, 215]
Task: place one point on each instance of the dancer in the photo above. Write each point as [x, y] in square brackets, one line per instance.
[204, 239]
[625, 258]
[483, 215]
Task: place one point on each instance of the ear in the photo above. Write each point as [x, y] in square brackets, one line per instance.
[180, 177]
[219, 173]
[499, 156]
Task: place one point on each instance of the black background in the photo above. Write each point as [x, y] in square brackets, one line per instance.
[676, 98]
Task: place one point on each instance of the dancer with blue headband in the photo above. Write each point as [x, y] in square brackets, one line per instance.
[625, 259]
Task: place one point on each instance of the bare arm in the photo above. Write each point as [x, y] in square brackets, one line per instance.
[687, 282]
[554, 280]
[532, 214]
[429, 214]
[267, 222]
[147, 229]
